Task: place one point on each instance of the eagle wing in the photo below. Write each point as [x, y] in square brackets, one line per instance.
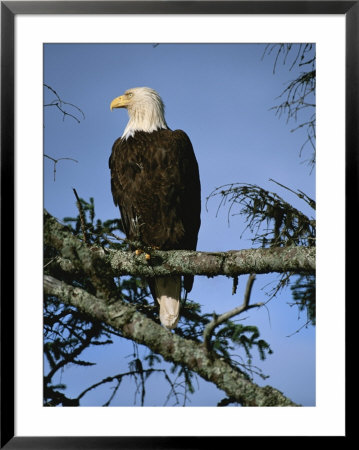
[155, 182]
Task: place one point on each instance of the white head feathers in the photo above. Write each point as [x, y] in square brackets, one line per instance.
[145, 109]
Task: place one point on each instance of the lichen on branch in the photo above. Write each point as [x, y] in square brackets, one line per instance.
[162, 263]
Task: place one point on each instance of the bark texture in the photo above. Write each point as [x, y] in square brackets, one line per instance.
[162, 263]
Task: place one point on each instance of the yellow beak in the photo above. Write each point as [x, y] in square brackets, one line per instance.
[119, 102]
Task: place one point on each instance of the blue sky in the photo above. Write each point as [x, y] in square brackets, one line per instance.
[221, 96]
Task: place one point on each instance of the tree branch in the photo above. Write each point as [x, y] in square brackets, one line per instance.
[299, 194]
[59, 105]
[137, 327]
[294, 259]
[82, 217]
[230, 263]
[55, 161]
[208, 331]
[117, 377]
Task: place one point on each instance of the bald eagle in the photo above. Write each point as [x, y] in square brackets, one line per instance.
[155, 182]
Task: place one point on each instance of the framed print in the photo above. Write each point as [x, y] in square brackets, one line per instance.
[107, 340]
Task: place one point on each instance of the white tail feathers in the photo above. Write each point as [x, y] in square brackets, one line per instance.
[168, 294]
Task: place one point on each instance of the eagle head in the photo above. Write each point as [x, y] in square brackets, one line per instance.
[145, 109]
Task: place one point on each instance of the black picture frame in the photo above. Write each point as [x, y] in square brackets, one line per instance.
[9, 9]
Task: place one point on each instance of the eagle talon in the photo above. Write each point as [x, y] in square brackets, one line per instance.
[138, 251]
[147, 255]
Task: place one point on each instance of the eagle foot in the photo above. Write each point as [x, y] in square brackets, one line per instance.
[147, 255]
[140, 251]
[153, 247]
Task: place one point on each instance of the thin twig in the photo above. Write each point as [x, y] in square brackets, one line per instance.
[56, 161]
[297, 331]
[82, 217]
[59, 102]
[299, 194]
[113, 394]
[117, 377]
[217, 320]
[51, 261]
